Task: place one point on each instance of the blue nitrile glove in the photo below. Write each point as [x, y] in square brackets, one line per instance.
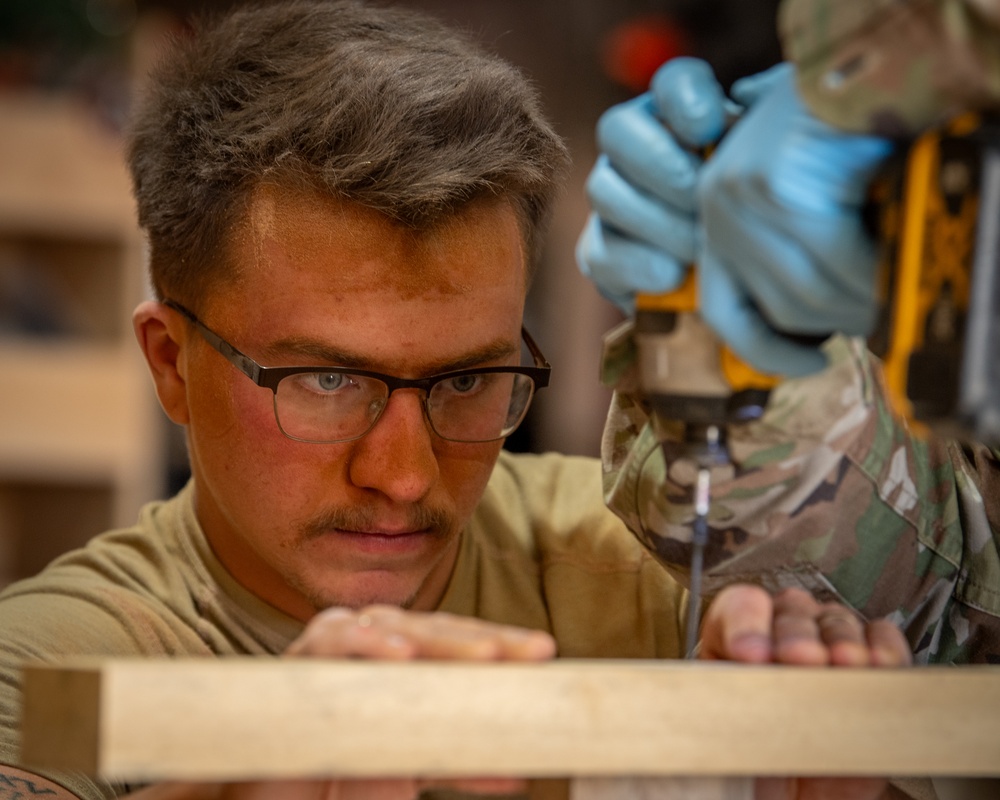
[783, 248]
[642, 233]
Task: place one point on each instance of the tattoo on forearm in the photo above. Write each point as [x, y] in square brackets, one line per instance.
[15, 788]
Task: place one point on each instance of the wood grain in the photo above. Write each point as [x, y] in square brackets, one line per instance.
[265, 718]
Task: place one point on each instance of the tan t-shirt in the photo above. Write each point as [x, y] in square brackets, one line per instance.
[541, 551]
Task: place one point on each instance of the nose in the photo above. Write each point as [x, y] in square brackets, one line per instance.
[397, 456]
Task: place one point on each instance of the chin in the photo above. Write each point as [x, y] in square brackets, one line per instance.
[322, 598]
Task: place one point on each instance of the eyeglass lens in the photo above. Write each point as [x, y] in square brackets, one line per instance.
[335, 406]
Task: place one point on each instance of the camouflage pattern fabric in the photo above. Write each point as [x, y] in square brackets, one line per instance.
[829, 492]
[890, 67]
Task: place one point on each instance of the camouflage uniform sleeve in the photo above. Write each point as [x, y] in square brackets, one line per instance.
[892, 68]
[828, 492]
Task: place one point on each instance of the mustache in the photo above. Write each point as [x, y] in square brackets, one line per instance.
[365, 518]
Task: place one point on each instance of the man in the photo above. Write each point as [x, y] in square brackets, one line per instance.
[894, 524]
[343, 204]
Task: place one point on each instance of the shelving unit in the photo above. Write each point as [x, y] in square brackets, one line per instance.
[81, 438]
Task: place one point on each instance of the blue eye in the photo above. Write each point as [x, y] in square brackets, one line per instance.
[329, 382]
[464, 383]
[318, 383]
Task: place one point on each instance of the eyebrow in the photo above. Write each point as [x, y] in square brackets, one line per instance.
[327, 355]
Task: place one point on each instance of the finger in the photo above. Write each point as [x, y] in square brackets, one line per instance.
[636, 142]
[690, 101]
[393, 633]
[634, 212]
[843, 634]
[345, 633]
[477, 785]
[727, 308]
[830, 244]
[774, 788]
[797, 636]
[275, 790]
[812, 179]
[796, 289]
[450, 636]
[737, 626]
[750, 89]
[374, 789]
[621, 266]
[887, 645]
[819, 788]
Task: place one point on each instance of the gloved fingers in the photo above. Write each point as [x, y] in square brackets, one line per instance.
[845, 260]
[747, 91]
[642, 150]
[729, 310]
[621, 266]
[795, 291]
[690, 101]
[829, 177]
[810, 269]
[790, 155]
[635, 213]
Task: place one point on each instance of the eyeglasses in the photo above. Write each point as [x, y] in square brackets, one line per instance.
[326, 405]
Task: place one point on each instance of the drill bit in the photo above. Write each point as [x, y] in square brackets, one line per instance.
[685, 379]
[699, 538]
[708, 447]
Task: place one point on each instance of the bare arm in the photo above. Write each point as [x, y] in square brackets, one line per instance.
[17, 784]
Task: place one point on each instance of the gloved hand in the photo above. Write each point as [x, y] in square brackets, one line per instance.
[783, 247]
[642, 233]
[778, 238]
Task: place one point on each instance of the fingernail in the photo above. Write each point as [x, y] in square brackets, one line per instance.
[885, 657]
[753, 647]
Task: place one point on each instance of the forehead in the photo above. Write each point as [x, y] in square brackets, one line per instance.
[309, 266]
[315, 227]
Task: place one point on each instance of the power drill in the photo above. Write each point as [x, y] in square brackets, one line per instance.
[936, 212]
[690, 379]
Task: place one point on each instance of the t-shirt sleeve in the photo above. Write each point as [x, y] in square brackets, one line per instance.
[56, 617]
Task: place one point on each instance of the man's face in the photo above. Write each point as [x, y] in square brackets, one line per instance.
[307, 526]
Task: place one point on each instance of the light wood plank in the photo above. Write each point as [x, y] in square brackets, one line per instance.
[245, 718]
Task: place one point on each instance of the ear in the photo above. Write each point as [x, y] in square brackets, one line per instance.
[162, 334]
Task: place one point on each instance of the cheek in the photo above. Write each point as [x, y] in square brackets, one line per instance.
[224, 408]
[234, 433]
[261, 480]
[465, 470]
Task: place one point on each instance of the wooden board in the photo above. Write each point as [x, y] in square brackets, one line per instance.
[247, 718]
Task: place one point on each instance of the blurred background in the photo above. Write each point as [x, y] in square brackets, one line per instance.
[82, 442]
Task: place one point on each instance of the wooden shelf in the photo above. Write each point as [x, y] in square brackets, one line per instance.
[81, 437]
[63, 170]
[72, 411]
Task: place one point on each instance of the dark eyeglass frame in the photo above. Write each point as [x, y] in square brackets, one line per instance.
[270, 377]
